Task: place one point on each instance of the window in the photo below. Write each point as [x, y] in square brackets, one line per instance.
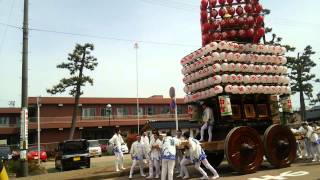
[150, 110]
[121, 111]
[4, 121]
[106, 113]
[88, 113]
[134, 109]
[165, 110]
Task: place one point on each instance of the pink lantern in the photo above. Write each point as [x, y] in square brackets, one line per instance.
[232, 67]
[215, 56]
[222, 45]
[233, 78]
[248, 90]
[253, 78]
[235, 89]
[225, 67]
[237, 56]
[260, 89]
[244, 68]
[238, 67]
[218, 89]
[256, 69]
[254, 89]
[228, 88]
[216, 67]
[264, 78]
[217, 79]
[266, 90]
[241, 89]
[239, 78]
[225, 78]
[230, 56]
[243, 57]
[246, 79]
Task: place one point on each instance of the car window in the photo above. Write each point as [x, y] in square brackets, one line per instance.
[94, 144]
[74, 147]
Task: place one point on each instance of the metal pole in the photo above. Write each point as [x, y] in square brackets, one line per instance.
[176, 112]
[136, 46]
[38, 117]
[24, 91]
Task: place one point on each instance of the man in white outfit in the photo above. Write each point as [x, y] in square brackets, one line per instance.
[198, 156]
[146, 144]
[116, 141]
[304, 131]
[207, 119]
[155, 145]
[315, 142]
[168, 156]
[179, 154]
[137, 152]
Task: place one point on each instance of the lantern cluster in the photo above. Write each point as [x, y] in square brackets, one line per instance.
[234, 68]
[238, 20]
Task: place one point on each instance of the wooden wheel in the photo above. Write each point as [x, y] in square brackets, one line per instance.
[280, 145]
[244, 149]
[215, 158]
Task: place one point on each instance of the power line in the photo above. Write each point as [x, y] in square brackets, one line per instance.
[101, 37]
[6, 28]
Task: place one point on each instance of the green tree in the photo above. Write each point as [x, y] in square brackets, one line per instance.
[301, 76]
[79, 60]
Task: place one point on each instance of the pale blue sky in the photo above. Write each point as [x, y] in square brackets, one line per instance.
[168, 21]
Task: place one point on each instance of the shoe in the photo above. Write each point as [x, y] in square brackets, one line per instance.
[179, 176]
[130, 177]
[215, 177]
[123, 168]
[149, 177]
[143, 175]
[157, 177]
[117, 170]
[186, 177]
[314, 160]
[204, 177]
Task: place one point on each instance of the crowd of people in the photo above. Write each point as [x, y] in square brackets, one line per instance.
[164, 154]
[309, 144]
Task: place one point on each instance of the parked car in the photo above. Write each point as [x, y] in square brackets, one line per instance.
[33, 153]
[72, 154]
[94, 148]
[103, 144]
[5, 153]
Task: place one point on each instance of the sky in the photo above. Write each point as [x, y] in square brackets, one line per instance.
[166, 31]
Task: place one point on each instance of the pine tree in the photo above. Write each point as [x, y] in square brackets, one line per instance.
[301, 76]
[78, 61]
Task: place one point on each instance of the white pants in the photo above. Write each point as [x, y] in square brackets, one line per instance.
[207, 165]
[118, 160]
[315, 150]
[183, 163]
[167, 169]
[154, 163]
[203, 128]
[134, 163]
[308, 147]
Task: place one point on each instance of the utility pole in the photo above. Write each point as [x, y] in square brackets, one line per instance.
[24, 95]
[302, 104]
[136, 47]
[38, 123]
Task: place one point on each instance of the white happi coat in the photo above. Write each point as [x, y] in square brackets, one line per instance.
[155, 152]
[137, 150]
[116, 140]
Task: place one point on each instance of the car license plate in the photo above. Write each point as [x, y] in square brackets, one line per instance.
[76, 159]
[36, 157]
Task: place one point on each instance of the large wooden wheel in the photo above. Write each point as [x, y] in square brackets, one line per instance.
[280, 145]
[215, 158]
[244, 149]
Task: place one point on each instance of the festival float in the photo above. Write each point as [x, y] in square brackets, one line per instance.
[241, 79]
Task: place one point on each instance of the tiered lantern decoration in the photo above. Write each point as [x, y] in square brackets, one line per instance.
[231, 20]
[227, 67]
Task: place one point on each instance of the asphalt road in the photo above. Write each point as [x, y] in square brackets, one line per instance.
[304, 170]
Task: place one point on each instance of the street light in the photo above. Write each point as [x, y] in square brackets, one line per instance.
[136, 47]
[109, 110]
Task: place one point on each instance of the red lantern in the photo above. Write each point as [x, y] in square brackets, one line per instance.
[260, 32]
[250, 21]
[242, 33]
[250, 32]
[248, 8]
[204, 16]
[214, 13]
[215, 25]
[254, 1]
[223, 23]
[205, 27]
[213, 3]
[239, 11]
[231, 10]
[204, 4]
[224, 35]
[217, 36]
[259, 20]
[232, 22]
[205, 39]
[229, 1]
[222, 12]
[241, 21]
[232, 33]
[258, 8]
[222, 2]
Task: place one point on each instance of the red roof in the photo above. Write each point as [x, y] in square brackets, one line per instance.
[93, 100]
[10, 110]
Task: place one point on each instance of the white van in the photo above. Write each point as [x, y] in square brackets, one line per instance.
[94, 148]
